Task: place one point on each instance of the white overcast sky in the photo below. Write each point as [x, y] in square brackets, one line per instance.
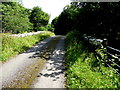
[52, 7]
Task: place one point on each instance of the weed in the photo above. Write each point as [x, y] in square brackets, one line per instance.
[83, 69]
[12, 45]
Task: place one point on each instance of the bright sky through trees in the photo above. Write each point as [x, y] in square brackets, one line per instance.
[52, 7]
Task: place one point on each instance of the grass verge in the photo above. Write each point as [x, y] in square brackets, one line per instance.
[28, 75]
[83, 69]
[12, 45]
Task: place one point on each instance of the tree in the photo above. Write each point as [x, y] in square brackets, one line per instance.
[98, 19]
[65, 22]
[14, 18]
[38, 18]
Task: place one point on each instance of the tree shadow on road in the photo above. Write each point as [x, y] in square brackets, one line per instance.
[55, 65]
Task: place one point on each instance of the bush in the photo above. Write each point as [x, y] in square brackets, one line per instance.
[49, 27]
[38, 18]
[43, 28]
[15, 18]
[83, 69]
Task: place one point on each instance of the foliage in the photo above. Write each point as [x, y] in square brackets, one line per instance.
[83, 69]
[42, 28]
[38, 18]
[94, 18]
[15, 18]
[64, 22]
[18, 19]
[49, 27]
[12, 45]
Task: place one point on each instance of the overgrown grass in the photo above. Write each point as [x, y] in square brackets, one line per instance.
[13, 45]
[83, 69]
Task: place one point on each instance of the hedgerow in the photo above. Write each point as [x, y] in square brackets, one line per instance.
[83, 69]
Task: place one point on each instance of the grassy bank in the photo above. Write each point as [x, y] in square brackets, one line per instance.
[13, 45]
[83, 69]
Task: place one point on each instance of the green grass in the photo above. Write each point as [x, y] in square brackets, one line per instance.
[12, 46]
[83, 69]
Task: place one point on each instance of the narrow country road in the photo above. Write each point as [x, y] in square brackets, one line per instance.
[41, 66]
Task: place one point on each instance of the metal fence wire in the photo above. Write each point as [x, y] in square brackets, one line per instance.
[111, 56]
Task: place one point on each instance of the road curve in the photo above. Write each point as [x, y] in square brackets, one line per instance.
[43, 62]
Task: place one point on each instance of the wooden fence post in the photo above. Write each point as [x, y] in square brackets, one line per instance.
[105, 42]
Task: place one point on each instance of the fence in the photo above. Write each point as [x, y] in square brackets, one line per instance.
[111, 56]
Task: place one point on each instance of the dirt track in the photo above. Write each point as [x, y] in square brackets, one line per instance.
[42, 66]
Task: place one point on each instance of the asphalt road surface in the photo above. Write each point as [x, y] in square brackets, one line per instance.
[41, 66]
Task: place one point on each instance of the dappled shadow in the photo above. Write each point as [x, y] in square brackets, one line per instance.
[39, 52]
[36, 50]
[39, 48]
[52, 74]
[36, 47]
[55, 65]
[44, 49]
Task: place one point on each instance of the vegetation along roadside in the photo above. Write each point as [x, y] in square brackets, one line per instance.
[83, 69]
[13, 45]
